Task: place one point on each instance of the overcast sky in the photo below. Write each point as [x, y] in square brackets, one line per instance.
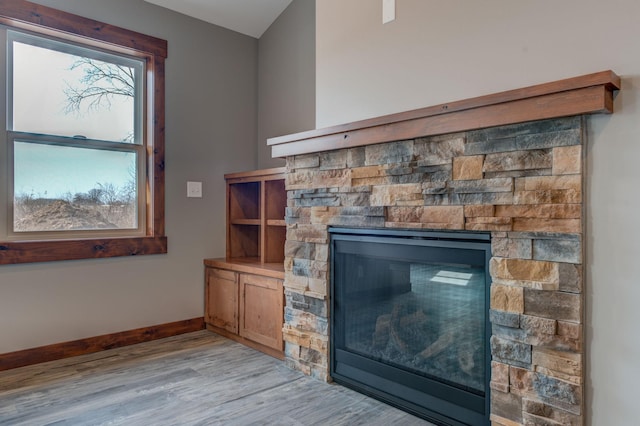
[40, 78]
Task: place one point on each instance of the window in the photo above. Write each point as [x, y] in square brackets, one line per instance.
[75, 140]
[82, 157]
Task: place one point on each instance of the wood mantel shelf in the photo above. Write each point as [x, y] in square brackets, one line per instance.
[587, 94]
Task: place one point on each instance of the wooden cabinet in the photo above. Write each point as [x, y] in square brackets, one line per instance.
[244, 291]
[245, 307]
[261, 308]
[221, 292]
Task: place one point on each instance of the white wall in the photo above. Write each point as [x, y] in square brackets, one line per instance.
[444, 50]
[211, 101]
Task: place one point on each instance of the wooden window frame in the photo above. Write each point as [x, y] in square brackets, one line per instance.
[21, 14]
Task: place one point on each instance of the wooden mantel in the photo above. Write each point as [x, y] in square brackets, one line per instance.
[587, 94]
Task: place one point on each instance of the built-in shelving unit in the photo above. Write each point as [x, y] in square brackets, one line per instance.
[244, 290]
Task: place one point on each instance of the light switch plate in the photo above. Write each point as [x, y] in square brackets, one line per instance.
[194, 189]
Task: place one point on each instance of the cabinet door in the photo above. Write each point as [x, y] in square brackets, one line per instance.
[261, 310]
[222, 299]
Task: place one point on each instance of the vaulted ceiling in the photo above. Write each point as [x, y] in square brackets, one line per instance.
[250, 17]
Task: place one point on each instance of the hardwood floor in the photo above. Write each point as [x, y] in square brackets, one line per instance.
[193, 379]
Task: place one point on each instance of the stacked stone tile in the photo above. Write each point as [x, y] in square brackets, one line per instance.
[523, 183]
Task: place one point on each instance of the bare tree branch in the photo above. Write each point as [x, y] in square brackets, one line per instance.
[101, 83]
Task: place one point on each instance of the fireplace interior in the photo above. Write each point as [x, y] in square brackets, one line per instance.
[410, 320]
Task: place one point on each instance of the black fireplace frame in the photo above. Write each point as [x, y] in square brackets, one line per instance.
[426, 398]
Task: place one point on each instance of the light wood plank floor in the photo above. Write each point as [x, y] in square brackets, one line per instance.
[193, 379]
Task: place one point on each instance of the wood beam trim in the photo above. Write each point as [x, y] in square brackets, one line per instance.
[26, 15]
[274, 173]
[49, 251]
[587, 94]
[99, 343]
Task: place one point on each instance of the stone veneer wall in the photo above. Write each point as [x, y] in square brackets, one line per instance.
[523, 183]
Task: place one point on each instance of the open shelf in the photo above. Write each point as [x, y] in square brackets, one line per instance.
[275, 199]
[244, 201]
[256, 205]
[245, 222]
[274, 244]
[243, 241]
[276, 222]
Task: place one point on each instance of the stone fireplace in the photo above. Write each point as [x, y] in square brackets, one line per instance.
[510, 165]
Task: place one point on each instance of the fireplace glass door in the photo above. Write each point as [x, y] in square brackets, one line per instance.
[409, 320]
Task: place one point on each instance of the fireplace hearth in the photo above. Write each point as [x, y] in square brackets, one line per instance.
[409, 322]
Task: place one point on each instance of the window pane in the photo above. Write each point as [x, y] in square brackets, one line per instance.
[59, 188]
[69, 95]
